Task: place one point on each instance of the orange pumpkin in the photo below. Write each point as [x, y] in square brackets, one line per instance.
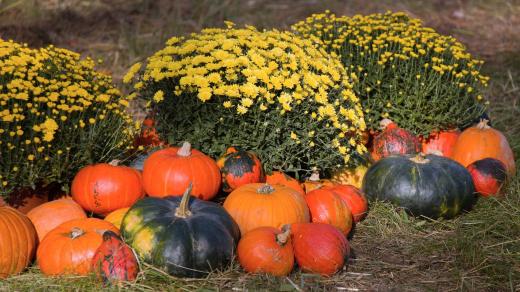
[256, 205]
[148, 135]
[278, 177]
[440, 143]
[354, 198]
[348, 176]
[169, 172]
[17, 241]
[319, 248]
[102, 188]
[50, 215]
[327, 207]
[266, 250]
[482, 141]
[69, 248]
[315, 182]
[116, 217]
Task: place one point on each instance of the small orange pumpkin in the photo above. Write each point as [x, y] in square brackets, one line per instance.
[102, 188]
[319, 248]
[50, 215]
[327, 207]
[239, 167]
[77, 241]
[17, 241]
[266, 250]
[354, 198]
[278, 177]
[440, 143]
[170, 171]
[482, 141]
[255, 205]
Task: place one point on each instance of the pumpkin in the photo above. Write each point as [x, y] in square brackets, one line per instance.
[116, 217]
[278, 177]
[482, 141]
[17, 241]
[169, 171]
[327, 207]
[440, 143]
[184, 236]
[488, 175]
[319, 248]
[393, 140]
[239, 167]
[266, 250]
[427, 185]
[50, 215]
[102, 188]
[348, 176]
[315, 182]
[148, 135]
[255, 205]
[354, 198]
[114, 261]
[69, 248]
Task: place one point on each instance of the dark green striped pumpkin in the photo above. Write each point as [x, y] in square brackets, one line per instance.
[431, 185]
[184, 236]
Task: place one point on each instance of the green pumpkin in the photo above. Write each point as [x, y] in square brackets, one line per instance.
[184, 236]
[431, 185]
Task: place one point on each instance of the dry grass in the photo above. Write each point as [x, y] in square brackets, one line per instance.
[479, 251]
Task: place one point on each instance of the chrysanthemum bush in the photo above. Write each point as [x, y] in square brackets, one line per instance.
[270, 92]
[57, 114]
[422, 80]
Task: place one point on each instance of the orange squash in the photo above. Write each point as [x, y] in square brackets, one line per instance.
[77, 241]
[17, 241]
[315, 182]
[255, 205]
[355, 200]
[266, 250]
[239, 167]
[278, 177]
[482, 141]
[393, 140]
[327, 207]
[50, 215]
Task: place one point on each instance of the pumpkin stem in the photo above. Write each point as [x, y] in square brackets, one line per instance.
[420, 158]
[185, 150]
[483, 124]
[182, 211]
[315, 176]
[281, 238]
[385, 123]
[76, 232]
[115, 162]
[265, 189]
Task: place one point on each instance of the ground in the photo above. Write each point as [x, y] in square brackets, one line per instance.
[479, 251]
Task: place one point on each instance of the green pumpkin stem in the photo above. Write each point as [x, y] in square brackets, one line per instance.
[76, 232]
[281, 238]
[265, 189]
[182, 211]
[185, 150]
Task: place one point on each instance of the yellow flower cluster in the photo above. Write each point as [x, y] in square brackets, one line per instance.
[246, 70]
[45, 93]
[394, 53]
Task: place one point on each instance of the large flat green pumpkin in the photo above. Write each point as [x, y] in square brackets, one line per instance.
[430, 185]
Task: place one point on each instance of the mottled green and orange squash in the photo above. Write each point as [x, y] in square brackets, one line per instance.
[488, 175]
[393, 140]
[182, 235]
[239, 167]
[430, 185]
